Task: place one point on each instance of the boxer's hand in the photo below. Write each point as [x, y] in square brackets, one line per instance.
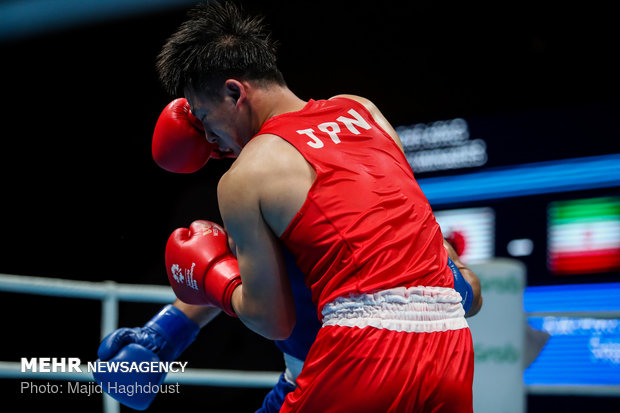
[163, 338]
[201, 268]
[179, 141]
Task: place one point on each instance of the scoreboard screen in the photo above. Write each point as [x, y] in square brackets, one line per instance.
[473, 229]
[541, 187]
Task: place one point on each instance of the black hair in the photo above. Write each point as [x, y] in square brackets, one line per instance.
[217, 41]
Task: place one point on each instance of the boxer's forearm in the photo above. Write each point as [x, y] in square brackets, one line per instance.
[200, 314]
[257, 317]
[474, 281]
[469, 276]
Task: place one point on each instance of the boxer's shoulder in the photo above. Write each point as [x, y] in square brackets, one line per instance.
[270, 174]
[261, 160]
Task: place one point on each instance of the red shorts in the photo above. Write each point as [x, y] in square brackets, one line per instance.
[383, 353]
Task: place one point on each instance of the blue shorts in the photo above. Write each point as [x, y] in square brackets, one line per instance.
[275, 398]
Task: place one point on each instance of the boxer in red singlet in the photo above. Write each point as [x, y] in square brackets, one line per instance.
[373, 254]
[329, 180]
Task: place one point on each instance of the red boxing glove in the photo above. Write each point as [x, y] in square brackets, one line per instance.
[201, 268]
[179, 141]
[457, 240]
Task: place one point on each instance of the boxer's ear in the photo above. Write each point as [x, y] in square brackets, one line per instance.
[236, 90]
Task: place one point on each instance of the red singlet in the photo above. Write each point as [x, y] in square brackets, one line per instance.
[394, 336]
[365, 225]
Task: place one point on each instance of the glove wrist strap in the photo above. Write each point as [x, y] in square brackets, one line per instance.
[461, 286]
[176, 328]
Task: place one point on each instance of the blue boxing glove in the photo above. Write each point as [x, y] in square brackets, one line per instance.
[163, 338]
[462, 286]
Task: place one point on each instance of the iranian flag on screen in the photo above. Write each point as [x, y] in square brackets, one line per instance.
[584, 236]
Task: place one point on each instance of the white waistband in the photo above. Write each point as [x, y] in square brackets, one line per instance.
[414, 310]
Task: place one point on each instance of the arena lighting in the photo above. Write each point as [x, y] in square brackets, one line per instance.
[526, 179]
[25, 18]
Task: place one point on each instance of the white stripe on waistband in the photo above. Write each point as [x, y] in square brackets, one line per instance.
[414, 310]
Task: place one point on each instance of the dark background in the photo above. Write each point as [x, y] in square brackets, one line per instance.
[82, 198]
